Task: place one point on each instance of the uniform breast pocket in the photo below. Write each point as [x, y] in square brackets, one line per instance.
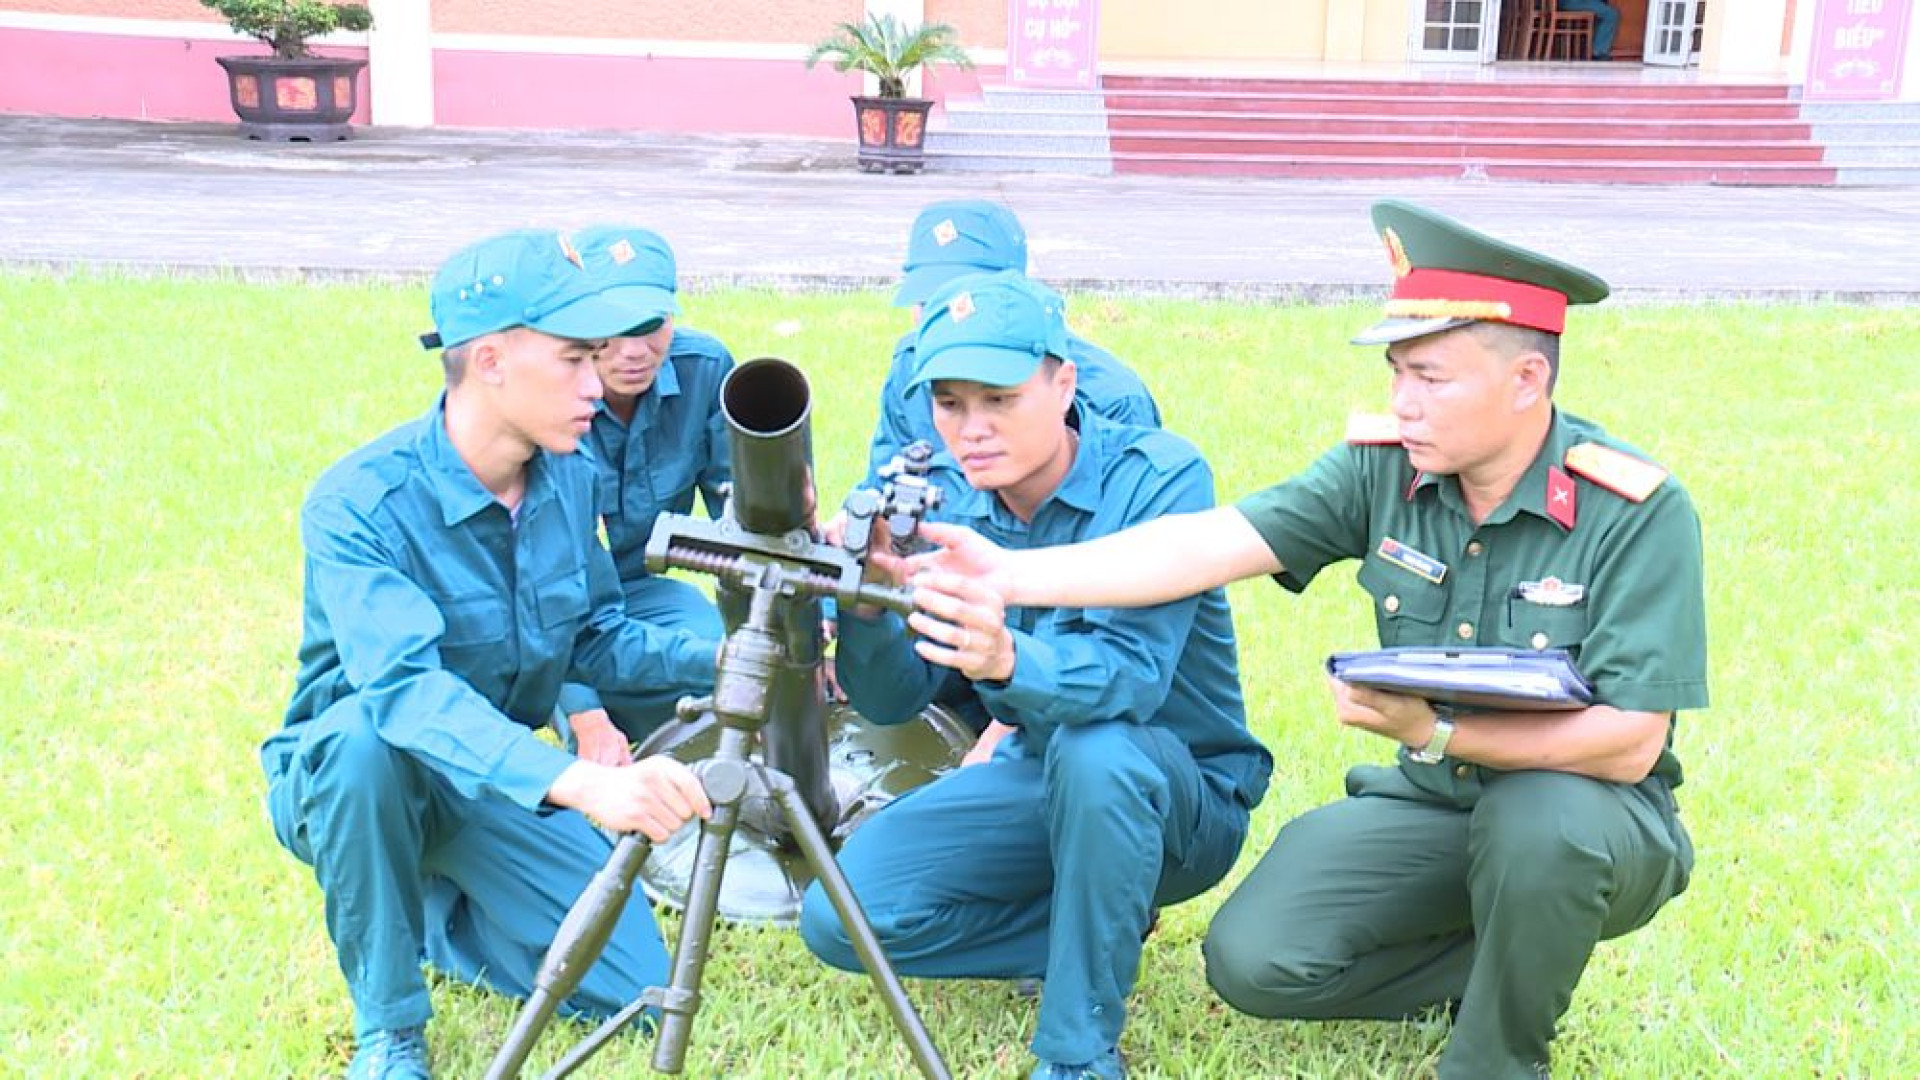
[1544, 626]
[670, 472]
[562, 598]
[1406, 607]
[473, 622]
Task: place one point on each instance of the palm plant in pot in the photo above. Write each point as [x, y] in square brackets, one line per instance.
[892, 126]
[292, 94]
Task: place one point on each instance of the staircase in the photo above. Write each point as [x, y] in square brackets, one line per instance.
[1565, 131]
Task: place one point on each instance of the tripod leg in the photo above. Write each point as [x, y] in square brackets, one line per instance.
[813, 844]
[603, 1034]
[582, 936]
[725, 778]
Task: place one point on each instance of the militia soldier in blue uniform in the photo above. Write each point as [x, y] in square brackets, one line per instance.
[953, 238]
[1479, 871]
[1127, 774]
[453, 582]
[659, 439]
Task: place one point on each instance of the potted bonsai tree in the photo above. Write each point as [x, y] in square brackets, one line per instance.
[292, 94]
[892, 126]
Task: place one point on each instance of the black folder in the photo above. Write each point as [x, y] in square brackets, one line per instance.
[1470, 678]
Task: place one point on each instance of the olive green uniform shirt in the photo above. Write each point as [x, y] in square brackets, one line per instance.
[1564, 563]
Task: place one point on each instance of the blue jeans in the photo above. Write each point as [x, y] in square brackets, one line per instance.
[1606, 23]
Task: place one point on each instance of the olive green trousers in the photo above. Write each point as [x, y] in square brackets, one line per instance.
[1491, 899]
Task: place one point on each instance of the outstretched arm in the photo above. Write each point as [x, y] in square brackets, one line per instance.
[1168, 558]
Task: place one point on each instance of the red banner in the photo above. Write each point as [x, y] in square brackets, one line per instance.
[1859, 49]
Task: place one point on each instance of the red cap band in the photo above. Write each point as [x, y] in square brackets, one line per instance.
[1453, 294]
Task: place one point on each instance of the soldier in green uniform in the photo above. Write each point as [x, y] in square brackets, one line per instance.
[1479, 871]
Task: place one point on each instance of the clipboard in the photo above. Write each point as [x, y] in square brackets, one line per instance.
[1470, 678]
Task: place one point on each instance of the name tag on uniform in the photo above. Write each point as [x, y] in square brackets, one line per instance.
[1408, 559]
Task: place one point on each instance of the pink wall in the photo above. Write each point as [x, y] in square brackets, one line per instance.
[776, 21]
[487, 89]
[52, 73]
[49, 73]
[186, 10]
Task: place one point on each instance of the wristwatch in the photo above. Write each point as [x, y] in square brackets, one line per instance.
[1436, 749]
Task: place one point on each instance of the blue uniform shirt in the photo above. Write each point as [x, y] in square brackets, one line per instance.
[455, 622]
[1173, 665]
[675, 445]
[1103, 384]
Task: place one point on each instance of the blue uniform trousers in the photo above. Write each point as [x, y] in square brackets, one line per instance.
[1606, 23]
[1043, 866]
[674, 605]
[1388, 903]
[409, 868]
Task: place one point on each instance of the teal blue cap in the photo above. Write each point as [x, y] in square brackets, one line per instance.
[530, 277]
[956, 237]
[989, 328]
[637, 267]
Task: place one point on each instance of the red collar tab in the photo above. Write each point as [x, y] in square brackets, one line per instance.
[1562, 497]
[1425, 293]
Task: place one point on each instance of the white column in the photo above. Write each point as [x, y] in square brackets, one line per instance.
[906, 13]
[400, 62]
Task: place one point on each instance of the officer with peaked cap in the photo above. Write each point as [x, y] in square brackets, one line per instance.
[1129, 773]
[1480, 869]
[453, 581]
[658, 439]
[953, 238]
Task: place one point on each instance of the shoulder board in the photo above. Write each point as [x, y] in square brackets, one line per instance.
[1623, 474]
[1373, 429]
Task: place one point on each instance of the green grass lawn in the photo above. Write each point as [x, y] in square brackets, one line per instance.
[158, 437]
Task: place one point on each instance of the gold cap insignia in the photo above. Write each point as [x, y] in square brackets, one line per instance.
[960, 307]
[944, 233]
[621, 253]
[1396, 253]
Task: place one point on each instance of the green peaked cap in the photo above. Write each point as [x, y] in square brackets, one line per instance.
[1447, 275]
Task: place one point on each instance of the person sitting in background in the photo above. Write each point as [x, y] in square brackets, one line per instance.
[1606, 23]
[658, 438]
[953, 238]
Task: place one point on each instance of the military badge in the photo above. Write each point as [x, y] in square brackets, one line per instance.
[1551, 592]
[944, 233]
[1408, 559]
[1396, 253]
[621, 253]
[961, 307]
[567, 249]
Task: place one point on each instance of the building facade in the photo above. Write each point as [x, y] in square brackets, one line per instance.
[733, 66]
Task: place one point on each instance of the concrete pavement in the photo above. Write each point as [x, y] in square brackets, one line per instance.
[797, 214]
